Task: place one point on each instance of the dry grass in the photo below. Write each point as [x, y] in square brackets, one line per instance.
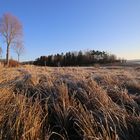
[41, 103]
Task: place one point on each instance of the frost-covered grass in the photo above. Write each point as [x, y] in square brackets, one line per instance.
[92, 103]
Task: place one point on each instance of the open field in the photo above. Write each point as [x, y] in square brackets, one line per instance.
[43, 103]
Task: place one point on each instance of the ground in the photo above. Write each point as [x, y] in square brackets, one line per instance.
[101, 103]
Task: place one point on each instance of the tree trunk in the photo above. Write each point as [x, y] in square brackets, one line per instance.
[18, 57]
[7, 55]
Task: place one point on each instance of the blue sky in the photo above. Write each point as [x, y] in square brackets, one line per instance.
[55, 26]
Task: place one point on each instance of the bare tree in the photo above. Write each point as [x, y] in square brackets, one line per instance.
[0, 52]
[19, 49]
[11, 30]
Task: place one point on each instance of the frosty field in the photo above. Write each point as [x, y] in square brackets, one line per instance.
[72, 103]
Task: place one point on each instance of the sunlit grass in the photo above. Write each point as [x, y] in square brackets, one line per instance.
[39, 103]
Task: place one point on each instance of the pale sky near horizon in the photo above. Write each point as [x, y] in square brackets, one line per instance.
[55, 26]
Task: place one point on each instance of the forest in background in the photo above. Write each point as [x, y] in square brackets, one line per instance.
[80, 58]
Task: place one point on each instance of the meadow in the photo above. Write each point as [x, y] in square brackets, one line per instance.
[70, 103]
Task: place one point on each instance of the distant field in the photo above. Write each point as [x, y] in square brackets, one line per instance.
[73, 103]
[134, 62]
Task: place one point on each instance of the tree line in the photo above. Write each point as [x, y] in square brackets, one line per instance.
[80, 58]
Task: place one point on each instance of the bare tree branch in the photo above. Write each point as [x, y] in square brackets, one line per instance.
[19, 49]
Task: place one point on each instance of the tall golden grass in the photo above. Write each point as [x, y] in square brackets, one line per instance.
[42, 103]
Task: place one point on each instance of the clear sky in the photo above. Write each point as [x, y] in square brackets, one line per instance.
[55, 26]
